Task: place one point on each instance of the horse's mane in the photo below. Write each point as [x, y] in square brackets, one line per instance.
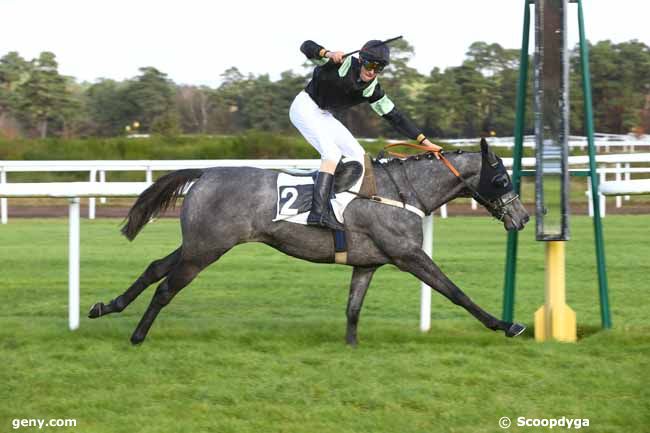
[392, 159]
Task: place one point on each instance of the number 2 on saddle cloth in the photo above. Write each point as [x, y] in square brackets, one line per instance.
[295, 189]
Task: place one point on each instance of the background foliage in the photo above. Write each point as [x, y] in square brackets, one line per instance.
[462, 101]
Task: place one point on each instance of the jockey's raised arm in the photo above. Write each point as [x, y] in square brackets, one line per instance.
[340, 82]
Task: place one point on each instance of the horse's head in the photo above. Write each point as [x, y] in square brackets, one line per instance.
[482, 176]
[496, 193]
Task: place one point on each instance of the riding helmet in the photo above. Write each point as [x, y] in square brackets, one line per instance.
[375, 51]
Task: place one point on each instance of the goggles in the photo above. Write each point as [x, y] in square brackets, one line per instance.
[372, 65]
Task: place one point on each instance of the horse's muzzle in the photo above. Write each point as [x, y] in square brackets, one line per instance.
[518, 222]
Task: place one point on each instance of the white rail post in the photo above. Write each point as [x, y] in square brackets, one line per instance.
[3, 201]
[628, 175]
[425, 291]
[91, 200]
[149, 175]
[601, 198]
[474, 204]
[443, 211]
[73, 264]
[102, 179]
[619, 199]
[590, 200]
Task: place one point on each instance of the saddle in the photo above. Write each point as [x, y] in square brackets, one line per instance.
[294, 189]
[345, 176]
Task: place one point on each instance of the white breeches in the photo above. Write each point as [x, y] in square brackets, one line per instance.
[323, 131]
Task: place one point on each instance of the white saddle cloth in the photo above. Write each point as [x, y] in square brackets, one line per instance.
[294, 198]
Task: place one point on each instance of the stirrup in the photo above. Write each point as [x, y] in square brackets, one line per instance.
[325, 220]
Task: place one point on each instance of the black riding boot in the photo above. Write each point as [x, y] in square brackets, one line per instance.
[321, 213]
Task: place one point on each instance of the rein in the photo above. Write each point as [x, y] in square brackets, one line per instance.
[496, 207]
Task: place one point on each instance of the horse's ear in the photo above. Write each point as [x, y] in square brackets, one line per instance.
[484, 146]
[487, 153]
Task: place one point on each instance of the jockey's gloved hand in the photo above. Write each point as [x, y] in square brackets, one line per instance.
[335, 56]
[427, 143]
[435, 147]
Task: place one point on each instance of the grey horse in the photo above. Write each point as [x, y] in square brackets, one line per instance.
[229, 206]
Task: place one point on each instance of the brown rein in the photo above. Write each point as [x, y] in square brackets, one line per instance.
[496, 209]
[426, 149]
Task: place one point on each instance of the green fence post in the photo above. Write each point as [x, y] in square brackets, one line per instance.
[513, 236]
[598, 227]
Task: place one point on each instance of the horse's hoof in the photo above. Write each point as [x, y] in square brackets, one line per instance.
[515, 329]
[352, 343]
[136, 339]
[97, 310]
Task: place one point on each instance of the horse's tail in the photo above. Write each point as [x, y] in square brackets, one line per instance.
[156, 199]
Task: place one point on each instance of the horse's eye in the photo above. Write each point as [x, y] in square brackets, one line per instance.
[500, 180]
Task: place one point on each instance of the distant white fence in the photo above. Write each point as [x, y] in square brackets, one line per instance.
[630, 187]
[606, 142]
[97, 170]
[621, 169]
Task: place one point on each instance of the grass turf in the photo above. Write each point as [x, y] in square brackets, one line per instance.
[255, 343]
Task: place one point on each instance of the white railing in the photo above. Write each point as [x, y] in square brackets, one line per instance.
[624, 143]
[629, 187]
[97, 170]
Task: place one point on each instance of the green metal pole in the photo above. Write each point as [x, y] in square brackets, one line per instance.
[598, 228]
[513, 236]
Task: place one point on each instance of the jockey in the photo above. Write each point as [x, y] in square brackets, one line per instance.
[340, 82]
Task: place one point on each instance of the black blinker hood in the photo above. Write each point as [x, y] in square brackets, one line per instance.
[494, 181]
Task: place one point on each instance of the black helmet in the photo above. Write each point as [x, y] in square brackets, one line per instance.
[375, 51]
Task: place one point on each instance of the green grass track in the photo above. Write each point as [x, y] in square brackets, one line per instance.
[256, 342]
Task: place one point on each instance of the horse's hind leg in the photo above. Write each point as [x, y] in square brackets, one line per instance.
[180, 276]
[358, 287]
[154, 272]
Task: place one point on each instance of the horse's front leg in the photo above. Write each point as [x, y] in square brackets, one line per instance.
[420, 265]
[361, 277]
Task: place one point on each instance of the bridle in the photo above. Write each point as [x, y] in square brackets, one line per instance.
[498, 207]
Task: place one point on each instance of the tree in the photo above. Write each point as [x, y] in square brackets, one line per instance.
[257, 105]
[108, 107]
[436, 106]
[620, 75]
[284, 91]
[466, 100]
[151, 95]
[14, 71]
[491, 59]
[473, 104]
[72, 119]
[193, 108]
[227, 101]
[167, 124]
[44, 95]
[500, 67]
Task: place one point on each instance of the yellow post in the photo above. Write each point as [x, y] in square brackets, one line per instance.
[555, 320]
